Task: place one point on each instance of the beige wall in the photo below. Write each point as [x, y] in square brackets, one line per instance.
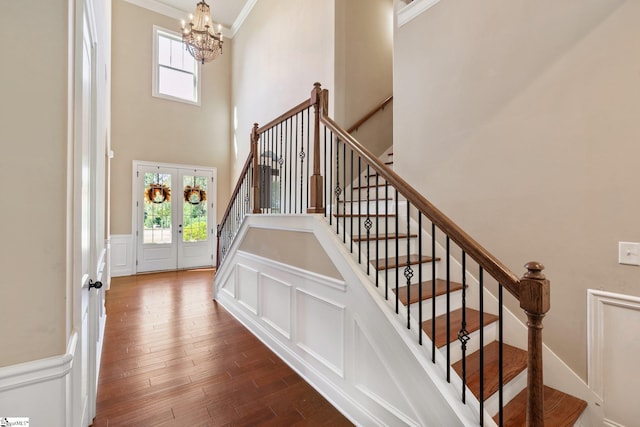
[155, 129]
[282, 48]
[33, 173]
[284, 246]
[364, 68]
[520, 120]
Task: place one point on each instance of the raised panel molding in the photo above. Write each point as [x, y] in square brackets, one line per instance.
[247, 287]
[612, 351]
[121, 261]
[275, 304]
[320, 329]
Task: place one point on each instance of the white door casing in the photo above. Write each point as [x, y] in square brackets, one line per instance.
[166, 233]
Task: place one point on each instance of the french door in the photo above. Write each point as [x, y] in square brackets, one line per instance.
[174, 216]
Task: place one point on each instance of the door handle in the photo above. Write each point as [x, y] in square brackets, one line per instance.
[93, 284]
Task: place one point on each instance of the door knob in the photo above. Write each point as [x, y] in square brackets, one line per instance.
[93, 284]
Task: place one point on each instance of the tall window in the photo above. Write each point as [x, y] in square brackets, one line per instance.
[175, 72]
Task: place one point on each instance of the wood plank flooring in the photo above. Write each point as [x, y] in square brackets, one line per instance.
[174, 357]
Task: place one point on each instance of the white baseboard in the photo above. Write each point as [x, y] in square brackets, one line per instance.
[121, 261]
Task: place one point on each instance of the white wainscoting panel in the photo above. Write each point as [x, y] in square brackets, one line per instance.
[320, 329]
[340, 335]
[38, 389]
[247, 285]
[275, 304]
[122, 262]
[613, 322]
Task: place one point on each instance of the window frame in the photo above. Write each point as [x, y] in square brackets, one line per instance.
[158, 32]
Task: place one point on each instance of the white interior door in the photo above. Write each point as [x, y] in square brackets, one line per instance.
[85, 235]
[174, 217]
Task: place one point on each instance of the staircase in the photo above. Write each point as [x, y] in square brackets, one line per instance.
[444, 309]
[444, 287]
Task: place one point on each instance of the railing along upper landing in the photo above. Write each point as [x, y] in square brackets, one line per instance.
[304, 158]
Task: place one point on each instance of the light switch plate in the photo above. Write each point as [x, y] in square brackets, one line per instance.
[629, 253]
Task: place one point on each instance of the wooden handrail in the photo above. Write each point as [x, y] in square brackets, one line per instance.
[370, 114]
[292, 112]
[236, 190]
[484, 258]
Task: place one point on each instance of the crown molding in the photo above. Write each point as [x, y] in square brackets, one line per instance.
[413, 9]
[171, 12]
[248, 6]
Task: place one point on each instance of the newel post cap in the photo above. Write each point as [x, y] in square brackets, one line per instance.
[535, 290]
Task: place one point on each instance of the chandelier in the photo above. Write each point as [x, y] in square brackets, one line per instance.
[199, 37]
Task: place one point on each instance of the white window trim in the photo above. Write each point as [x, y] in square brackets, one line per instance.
[154, 66]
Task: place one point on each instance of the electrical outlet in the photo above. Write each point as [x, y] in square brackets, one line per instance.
[629, 253]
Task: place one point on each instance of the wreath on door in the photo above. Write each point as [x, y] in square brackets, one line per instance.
[194, 194]
[157, 193]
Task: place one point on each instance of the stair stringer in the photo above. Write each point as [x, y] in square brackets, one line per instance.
[360, 321]
[556, 372]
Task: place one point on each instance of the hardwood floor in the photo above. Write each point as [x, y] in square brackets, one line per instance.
[174, 357]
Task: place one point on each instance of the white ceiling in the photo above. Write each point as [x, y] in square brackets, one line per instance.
[223, 12]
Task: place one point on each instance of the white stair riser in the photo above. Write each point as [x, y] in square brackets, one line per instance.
[378, 249]
[490, 334]
[402, 281]
[362, 207]
[455, 302]
[375, 192]
[357, 224]
[509, 391]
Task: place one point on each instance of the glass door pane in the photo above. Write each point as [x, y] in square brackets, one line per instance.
[194, 209]
[157, 208]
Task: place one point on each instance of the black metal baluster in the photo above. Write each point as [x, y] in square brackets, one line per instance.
[331, 190]
[448, 250]
[295, 166]
[481, 302]
[367, 222]
[338, 189]
[352, 183]
[377, 239]
[344, 185]
[327, 188]
[408, 273]
[500, 358]
[386, 241]
[397, 257]
[420, 278]
[433, 292]
[359, 217]
[302, 155]
[308, 153]
[463, 335]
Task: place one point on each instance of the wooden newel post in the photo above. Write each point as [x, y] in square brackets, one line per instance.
[316, 204]
[535, 301]
[256, 171]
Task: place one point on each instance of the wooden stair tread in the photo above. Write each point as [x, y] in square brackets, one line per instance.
[473, 324]
[427, 290]
[560, 409]
[401, 261]
[382, 237]
[514, 361]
